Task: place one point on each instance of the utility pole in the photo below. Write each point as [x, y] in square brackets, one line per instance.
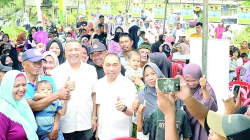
[204, 37]
[165, 15]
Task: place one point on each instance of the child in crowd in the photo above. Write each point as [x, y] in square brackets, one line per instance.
[155, 123]
[142, 34]
[134, 70]
[45, 118]
[244, 58]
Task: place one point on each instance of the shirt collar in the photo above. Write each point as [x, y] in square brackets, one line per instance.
[67, 65]
[118, 78]
[39, 77]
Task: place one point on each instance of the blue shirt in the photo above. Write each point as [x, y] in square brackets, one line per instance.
[211, 13]
[171, 18]
[45, 118]
[31, 88]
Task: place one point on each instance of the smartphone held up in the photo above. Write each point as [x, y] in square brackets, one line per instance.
[167, 85]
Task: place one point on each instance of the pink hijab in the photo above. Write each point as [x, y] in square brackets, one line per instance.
[41, 37]
[168, 41]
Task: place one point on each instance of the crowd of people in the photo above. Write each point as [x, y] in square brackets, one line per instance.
[98, 81]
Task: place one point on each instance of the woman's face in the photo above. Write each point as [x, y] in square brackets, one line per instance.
[180, 49]
[141, 23]
[8, 60]
[36, 42]
[150, 76]
[20, 88]
[54, 47]
[150, 25]
[85, 54]
[85, 41]
[138, 32]
[164, 38]
[5, 38]
[229, 28]
[191, 82]
[119, 30]
[33, 31]
[236, 54]
[20, 56]
[60, 27]
[244, 44]
[50, 64]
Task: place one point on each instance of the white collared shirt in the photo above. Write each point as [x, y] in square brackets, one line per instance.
[114, 123]
[80, 106]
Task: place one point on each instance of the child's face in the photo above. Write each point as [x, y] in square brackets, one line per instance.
[134, 61]
[45, 88]
[244, 59]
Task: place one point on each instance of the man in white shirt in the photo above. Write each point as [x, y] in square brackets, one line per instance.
[178, 31]
[26, 21]
[114, 97]
[79, 123]
[151, 15]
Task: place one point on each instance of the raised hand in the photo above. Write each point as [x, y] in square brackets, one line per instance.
[203, 82]
[119, 105]
[70, 84]
[185, 92]
[142, 107]
[135, 104]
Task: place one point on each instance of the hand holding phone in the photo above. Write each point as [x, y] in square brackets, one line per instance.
[167, 85]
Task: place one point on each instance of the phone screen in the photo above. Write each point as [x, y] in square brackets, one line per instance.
[167, 85]
[236, 90]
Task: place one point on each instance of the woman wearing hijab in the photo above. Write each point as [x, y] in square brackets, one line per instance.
[51, 63]
[182, 55]
[151, 33]
[142, 26]
[114, 26]
[85, 57]
[5, 43]
[156, 45]
[114, 46]
[244, 47]
[218, 32]
[21, 38]
[55, 46]
[6, 60]
[162, 62]
[17, 118]
[202, 92]
[166, 47]
[16, 58]
[30, 41]
[85, 40]
[135, 32]
[41, 39]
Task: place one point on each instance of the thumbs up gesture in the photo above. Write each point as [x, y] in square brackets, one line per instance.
[203, 82]
[119, 105]
[135, 104]
[142, 107]
[69, 85]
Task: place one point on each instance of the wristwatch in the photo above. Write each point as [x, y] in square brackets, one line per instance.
[95, 118]
[125, 108]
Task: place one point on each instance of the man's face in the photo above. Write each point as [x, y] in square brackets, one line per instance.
[178, 26]
[211, 8]
[182, 38]
[68, 35]
[32, 68]
[231, 47]
[144, 55]
[101, 20]
[50, 35]
[119, 13]
[81, 19]
[198, 29]
[97, 10]
[97, 57]
[84, 32]
[73, 53]
[172, 11]
[27, 11]
[92, 17]
[188, 7]
[112, 67]
[101, 30]
[125, 43]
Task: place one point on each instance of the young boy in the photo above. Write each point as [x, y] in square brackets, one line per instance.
[244, 58]
[134, 70]
[155, 124]
[45, 118]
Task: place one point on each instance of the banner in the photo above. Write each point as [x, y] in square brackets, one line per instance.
[187, 11]
[136, 10]
[244, 15]
[159, 11]
[106, 8]
[214, 13]
[82, 9]
[61, 16]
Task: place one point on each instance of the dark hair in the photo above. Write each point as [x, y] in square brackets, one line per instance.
[126, 35]
[100, 25]
[91, 29]
[199, 24]
[30, 35]
[6, 51]
[41, 82]
[228, 27]
[119, 12]
[178, 23]
[142, 33]
[92, 15]
[133, 52]
[243, 55]
[142, 11]
[101, 16]
[222, 22]
[111, 54]
[7, 36]
[236, 49]
[69, 33]
[82, 30]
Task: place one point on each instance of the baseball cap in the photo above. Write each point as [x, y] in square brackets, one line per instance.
[145, 45]
[231, 43]
[81, 16]
[5, 68]
[234, 126]
[96, 47]
[32, 55]
[97, 7]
